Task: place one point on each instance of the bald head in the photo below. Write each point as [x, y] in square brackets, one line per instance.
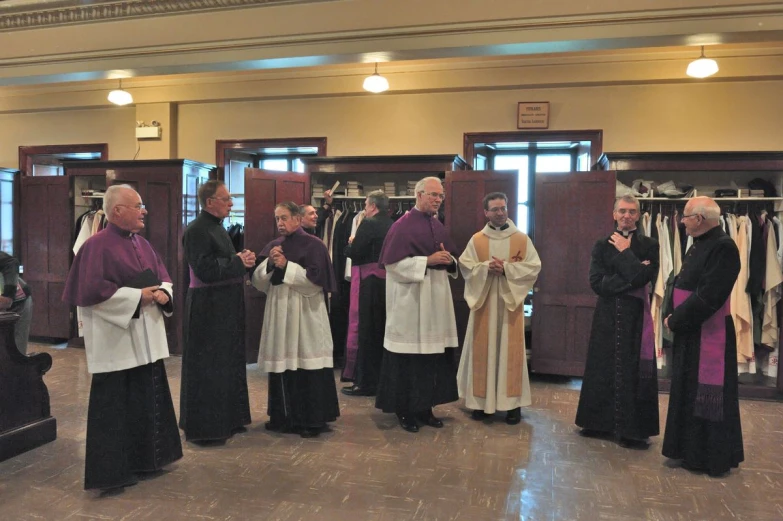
[701, 215]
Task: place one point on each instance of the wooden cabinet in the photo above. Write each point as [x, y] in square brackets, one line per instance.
[706, 172]
[169, 190]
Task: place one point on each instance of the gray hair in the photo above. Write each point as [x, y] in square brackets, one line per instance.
[421, 183]
[112, 197]
[628, 199]
[380, 200]
[292, 207]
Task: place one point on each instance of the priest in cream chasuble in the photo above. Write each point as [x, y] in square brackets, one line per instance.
[500, 266]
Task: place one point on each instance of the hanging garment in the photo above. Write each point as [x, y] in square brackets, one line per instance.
[740, 300]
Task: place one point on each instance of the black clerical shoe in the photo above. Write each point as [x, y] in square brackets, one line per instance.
[355, 390]
[479, 415]
[408, 422]
[631, 443]
[592, 433]
[276, 427]
[427, 418]
[309, 432]
[514, 416]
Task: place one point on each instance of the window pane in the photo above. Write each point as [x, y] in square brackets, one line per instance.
[275, 164]
[553, 163]
[6, 217]
[298, 165]
[519, 163]
[523, 218]
[583, 162]
[42, 170]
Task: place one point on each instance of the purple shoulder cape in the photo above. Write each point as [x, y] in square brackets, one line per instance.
[310, 253]
[107, 262]
[415, 234]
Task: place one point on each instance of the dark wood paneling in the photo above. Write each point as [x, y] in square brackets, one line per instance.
[223, 146]
[264, 189]
[27, 153]
[471, 139]
[690, 161]
[46, 250]
[425, 165]
[571, 214]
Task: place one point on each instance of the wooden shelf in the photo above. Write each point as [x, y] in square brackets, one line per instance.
[716, 199]
[363, 197]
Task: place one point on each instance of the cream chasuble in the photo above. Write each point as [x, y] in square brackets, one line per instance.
[493, 369]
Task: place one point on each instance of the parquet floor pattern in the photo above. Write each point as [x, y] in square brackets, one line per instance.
[368, 468]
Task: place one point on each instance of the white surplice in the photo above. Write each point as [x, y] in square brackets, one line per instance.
[115, 341]
[419, 309]
[502, 294]
[296, 333]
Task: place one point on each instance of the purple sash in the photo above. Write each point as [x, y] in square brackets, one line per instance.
[647, 369]
[371, 269]
[352, 340]
[712, 360]
[195, 282]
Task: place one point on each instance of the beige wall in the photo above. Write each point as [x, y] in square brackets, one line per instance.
[110, 125]
[678, 117]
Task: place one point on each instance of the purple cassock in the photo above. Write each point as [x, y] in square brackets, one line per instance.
[109, 260]
[310, 253]
[415, 234]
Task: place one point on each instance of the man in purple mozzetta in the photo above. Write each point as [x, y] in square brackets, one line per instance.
[296, 343]
[123, 290]
[703, 424]
[418, 370]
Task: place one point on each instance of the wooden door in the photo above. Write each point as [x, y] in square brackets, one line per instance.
[572, 211]
[465, 191]
[46, 229]
[264, 189]
[161, 190]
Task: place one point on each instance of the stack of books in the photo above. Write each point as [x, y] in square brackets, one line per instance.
[318, 191]
[389, 188]
[354, 189]
[412, 187]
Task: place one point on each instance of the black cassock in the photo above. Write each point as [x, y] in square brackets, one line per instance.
[710, 270]
[213, 398]
[366, 249]
[614, 399]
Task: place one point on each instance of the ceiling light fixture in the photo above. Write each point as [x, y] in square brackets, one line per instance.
[376, 83]
[703, 67]
[120, 96]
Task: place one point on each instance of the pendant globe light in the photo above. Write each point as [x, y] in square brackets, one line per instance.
[120, 96]
[703, 67]
[375, 82]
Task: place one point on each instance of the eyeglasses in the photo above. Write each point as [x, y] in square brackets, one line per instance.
[435, 195]
[691, 215]
[499, 209]
[137, 207]
[224, 199]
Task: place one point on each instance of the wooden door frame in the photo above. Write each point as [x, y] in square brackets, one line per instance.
[224, 145]
[26, 153]
[595, 136]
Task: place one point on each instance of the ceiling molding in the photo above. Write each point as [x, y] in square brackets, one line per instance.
[20, 15]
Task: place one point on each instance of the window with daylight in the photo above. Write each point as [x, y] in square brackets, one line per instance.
[532, 153]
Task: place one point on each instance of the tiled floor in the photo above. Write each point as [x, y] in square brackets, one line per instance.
[370, 469]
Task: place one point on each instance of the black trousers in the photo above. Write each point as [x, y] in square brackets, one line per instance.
[372, 326]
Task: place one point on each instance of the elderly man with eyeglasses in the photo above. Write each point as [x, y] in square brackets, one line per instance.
[619, 397]
[418, 371]
[213, 397]
[703, 429]
[123, 291]
[500, 266]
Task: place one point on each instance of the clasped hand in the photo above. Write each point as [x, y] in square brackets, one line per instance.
[496, 266]
[277, 258]
[153, 294]
[248, 258]
[439, 258]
